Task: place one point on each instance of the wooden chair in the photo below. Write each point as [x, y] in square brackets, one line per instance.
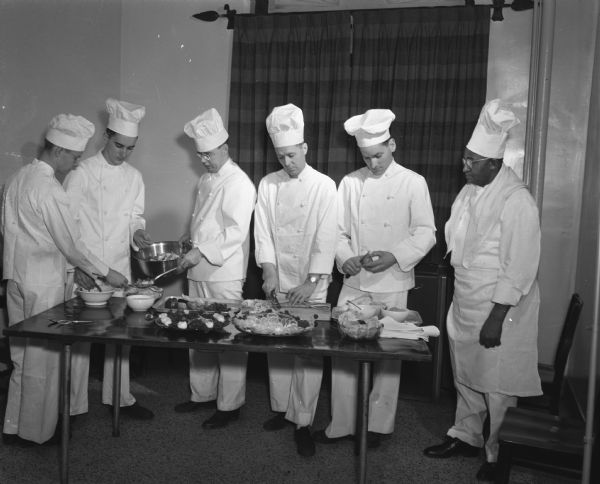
[546, 442]
[552, 376]
[541, 441]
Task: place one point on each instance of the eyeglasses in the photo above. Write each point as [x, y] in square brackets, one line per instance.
[205, 156]
[468, 162]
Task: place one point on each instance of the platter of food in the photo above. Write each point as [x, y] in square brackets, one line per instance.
[194, 315]
[259, 317]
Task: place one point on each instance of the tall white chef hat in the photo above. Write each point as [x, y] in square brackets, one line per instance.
[207, 130]
[70, 131]
[491, 133]
[285, 125]
[370, 128]
[124, 117]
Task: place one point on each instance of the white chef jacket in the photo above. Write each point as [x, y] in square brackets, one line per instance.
[494, 236]
[40, 234]
[109, 203]
[391, 213]
[220, 224]
[295, 225]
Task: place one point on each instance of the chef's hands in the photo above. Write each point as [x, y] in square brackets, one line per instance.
[301, 293]
[352, 266]
[270, 279]
[491, 331]
[185, 241]
[116, 279]
[83, 280]
[190, 259]
[141, 238]
[376, 261]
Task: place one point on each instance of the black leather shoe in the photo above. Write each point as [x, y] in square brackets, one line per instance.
[221, 418]
[135, 411]
[187, 407]
[275, 423]
[320, 437]
[487, 472]
[304, 442]
[450, 448]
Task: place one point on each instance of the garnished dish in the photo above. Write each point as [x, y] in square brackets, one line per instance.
[141, 288]
[258, 317]
[361, 322]
[188, 315]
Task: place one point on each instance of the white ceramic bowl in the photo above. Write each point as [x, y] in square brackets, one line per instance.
[140, 302]
[95, 298]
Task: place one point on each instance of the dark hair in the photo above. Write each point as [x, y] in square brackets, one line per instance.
[110, 133]
[48, 145]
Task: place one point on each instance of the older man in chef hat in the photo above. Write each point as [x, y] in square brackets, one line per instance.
[386, 226]
[295, 235]
[107, 195]
[216, 265]
[494, 236]
[40, 237]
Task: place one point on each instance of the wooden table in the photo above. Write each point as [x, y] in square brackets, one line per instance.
[118, 325]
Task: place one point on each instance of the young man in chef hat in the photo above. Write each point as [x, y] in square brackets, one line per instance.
[386, 226]
[494, 236]
[216, 265]
[107, 194]
[295, 235]
[40, 237]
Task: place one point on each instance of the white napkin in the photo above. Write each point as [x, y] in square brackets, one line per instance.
[406, 330]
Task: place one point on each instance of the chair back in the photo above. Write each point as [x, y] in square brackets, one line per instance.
[564, 347]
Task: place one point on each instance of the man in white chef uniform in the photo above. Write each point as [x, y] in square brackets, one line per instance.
[494, 236]
[40, 236]
[107, 196]
[295, 235]
[216, 265]
[386, 226]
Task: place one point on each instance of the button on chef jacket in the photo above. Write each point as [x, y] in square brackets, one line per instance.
[109, 203]
[39, 231]
[220, 223]
[391, 213]
[295, 225]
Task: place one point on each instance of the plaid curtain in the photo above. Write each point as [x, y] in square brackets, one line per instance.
[280, 59]
[428, 65]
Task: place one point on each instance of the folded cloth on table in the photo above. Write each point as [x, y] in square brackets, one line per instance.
[406, 330]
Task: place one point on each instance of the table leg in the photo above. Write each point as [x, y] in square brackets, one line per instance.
[116, 396]
[364, 382]
[65, 387]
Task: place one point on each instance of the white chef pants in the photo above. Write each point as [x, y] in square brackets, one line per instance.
[80, 370]
[33, 392]
[220, 376]
[472, 407]
[344, 380]
[295, 381]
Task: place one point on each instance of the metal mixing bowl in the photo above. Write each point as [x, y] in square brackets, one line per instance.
[153, 268]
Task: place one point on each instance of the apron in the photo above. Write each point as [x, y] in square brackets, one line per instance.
[510, 368]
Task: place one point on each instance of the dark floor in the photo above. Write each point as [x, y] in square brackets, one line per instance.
[174, 448]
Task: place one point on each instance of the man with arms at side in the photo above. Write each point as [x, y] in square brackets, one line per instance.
[295, 235]
[217, 263]
[107, 196]
[40, 236]
[386, 226]
[494, 236]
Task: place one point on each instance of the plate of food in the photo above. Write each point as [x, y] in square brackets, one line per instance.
[194, 315]
[258, 317]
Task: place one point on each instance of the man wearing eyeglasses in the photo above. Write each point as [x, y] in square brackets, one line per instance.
[217, 263]
[494, 236]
